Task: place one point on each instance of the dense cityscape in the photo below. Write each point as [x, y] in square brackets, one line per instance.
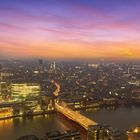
[69, 69]
[40, 87]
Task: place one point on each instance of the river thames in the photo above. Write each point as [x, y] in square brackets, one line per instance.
[122, 117]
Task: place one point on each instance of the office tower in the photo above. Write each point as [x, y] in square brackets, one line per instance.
[22, 91]
[41, 66]
[0, 72]
[103, 132]
[40, 62]
[96, 132]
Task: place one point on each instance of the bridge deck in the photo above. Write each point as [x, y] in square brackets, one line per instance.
[75, 116]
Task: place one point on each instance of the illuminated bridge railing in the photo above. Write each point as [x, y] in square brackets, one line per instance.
[74, 116]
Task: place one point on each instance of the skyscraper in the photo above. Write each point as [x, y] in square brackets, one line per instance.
[0, 72]
[96, 132]
[41, 66]
[40, 62]
[103, 132]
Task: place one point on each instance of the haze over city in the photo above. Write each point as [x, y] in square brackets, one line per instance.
[69, 69]
[70, 29]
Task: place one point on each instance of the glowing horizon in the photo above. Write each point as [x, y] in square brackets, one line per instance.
[81, 29]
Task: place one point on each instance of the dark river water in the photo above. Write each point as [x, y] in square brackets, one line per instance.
[123, 118]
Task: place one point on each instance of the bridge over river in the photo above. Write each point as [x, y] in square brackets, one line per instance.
[69, 113]
[74, 116]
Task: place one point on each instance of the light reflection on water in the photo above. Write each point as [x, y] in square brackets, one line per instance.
[123, 118]
[11, 129]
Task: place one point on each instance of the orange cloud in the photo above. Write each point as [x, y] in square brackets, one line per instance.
[72, 50]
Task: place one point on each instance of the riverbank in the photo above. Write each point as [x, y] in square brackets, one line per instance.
[12, 129]
[28, 115]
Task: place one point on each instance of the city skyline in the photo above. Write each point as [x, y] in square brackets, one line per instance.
[69, 69]
[81, 29]
[41, 99]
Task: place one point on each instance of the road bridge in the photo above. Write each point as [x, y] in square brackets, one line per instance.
[74, 116]
[69, 113]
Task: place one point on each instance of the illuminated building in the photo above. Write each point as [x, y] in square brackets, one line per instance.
[4, 91]
[4, 75]
[115, 134]
[23, 91]
[52, 67]
[96, 132]
[6, 112]
[35, 72]
[134, 134]
[102, 132]
[93, 65]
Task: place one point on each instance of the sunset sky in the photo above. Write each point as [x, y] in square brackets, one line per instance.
[70, 29]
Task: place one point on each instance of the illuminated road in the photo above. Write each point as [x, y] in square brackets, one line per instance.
[74, 116]
[56, 92]
[69, 113]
